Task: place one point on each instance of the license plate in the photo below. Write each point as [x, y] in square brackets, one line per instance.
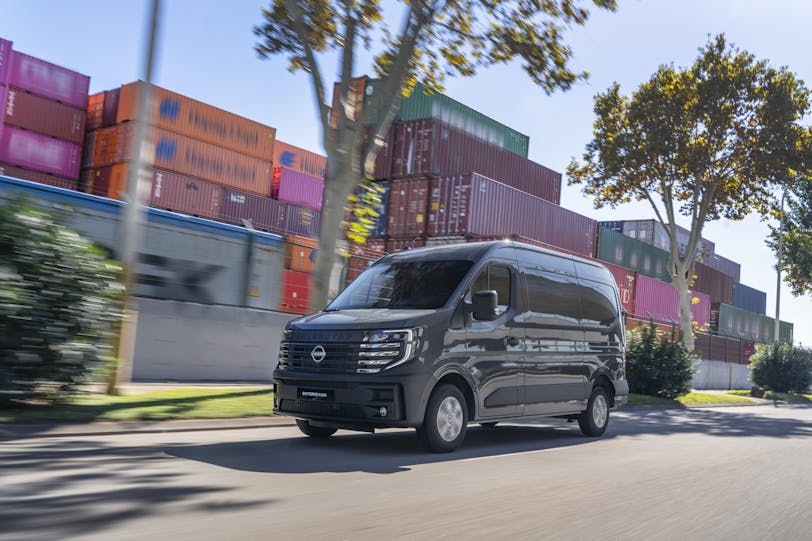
[315, 394]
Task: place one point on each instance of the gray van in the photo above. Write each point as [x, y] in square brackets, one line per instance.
[436, 338]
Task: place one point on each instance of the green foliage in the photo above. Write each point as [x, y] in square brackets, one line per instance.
[363, 209]
[796, 253]
[782, 367]
[708, 141]
[59, 305]
[657, 365]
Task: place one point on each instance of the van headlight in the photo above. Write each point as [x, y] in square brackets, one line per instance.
[385, 349]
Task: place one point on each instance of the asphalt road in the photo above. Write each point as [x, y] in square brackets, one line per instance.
[726, 473]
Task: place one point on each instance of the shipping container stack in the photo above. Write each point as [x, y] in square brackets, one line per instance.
[43, 119]
[452, 174]
[636, 252]
[211, 164]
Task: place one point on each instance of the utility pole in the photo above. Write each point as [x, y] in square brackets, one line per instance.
[138, 186]
[778, 268]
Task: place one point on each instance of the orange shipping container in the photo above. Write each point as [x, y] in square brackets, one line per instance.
[200, 121]
[299, 159]
[187, 156]
[300, 255]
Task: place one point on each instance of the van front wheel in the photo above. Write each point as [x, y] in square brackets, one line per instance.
[445, 422]
[595, 418]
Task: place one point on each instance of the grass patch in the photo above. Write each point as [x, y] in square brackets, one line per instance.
[783, 397]
[170, 404]
[645, 400]
[694, 398]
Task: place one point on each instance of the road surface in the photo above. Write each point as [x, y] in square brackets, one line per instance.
[723, 473]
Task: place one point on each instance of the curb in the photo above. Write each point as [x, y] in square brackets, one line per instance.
[109, 428]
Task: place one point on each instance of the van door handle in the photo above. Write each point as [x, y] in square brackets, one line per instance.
[512, 341]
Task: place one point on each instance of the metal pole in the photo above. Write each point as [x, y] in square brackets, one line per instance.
[778, 269]
[138, 186]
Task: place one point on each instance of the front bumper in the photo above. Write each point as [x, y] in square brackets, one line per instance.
[351, 401]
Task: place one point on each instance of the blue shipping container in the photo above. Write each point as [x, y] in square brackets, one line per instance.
[749, 299]
[380, 227]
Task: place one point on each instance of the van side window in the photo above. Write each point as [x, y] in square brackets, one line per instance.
[498, 279]
[599, 303]
[553, 298]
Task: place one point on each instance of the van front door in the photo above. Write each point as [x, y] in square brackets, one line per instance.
[495, 348]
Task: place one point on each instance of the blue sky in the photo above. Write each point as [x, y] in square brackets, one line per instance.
[206, 52]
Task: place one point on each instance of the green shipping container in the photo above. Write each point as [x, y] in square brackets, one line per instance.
[785, 331]
[734, 321]
[422, 105]
[618, 249]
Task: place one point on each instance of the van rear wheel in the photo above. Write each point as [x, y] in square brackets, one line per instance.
[446, 419]
[314, 431]
[595, 418]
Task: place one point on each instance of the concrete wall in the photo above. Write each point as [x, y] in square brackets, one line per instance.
[198, 342]
[720, 375]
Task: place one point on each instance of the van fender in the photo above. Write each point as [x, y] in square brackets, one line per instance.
[435, 379]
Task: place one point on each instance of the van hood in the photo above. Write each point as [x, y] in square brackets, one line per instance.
[372, 318]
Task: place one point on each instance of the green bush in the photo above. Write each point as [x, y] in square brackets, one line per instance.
[657, 365]
[59, 306]
[782, 367]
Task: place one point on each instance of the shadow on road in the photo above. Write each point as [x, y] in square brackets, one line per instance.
[385, 452]
[749, 423]
[83, 487]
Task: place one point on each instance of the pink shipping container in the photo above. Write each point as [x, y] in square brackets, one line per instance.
[299, 159]
[5, 59]
[433, 148]
[47, 80]
[37, 152]
[407, 213]
[179, 193]
[33, 176]
[47, 117]
[472, 204]
[660, 301]
[626, 280]
[265, 214]
[297, 188]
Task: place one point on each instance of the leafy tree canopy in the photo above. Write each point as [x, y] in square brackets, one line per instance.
[796, 249]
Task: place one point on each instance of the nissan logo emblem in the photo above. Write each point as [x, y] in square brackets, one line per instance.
[318, 354]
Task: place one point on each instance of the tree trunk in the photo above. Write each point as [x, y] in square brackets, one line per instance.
[342, 180]
[685, 301]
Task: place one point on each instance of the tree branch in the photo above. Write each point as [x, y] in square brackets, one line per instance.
[347, 60]
[313, 67]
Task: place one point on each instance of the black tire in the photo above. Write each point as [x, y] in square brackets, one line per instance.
[489, 424]
[595, 418]
[447, 404]
[314, 431]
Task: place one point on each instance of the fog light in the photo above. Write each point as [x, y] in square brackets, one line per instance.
[383, 411]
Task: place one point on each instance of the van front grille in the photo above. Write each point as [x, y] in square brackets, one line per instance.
[337, 352]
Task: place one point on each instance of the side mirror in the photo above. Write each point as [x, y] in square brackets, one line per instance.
[485, 305]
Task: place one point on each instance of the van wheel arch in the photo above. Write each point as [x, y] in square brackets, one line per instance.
[602, 380]
[458, 380]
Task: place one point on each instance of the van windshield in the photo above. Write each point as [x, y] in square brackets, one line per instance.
[403, 285]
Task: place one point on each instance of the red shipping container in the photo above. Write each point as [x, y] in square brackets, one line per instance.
[376, 245]
[433, 148]
[408, 200]
[466, 205]
[33, 176]
[396, 244]
[297, 188]
[25, 110]
[37, 152]
[98, 181]
[88, 149]
[299, 159]
[625, 280]
[265, 214]
[177, 193]
[187, 156]
[95, 111]
[46, 80]
[295, 292]
[715, 283]
[660, 301]
[198, 120]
